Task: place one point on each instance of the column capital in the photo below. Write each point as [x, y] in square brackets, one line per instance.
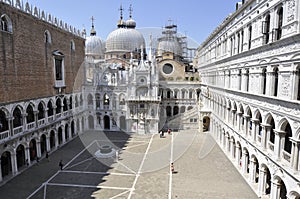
[279, 132]
[296, 141]
[265, 125]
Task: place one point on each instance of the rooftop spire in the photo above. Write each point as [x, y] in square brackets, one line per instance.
[93, 31]
[121, 23]
[130, 11]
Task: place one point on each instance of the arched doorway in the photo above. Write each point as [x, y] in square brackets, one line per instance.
[72, 129]
[206, 123]
[52, 139]
[6, 164]
[32, 149]
[106, 122]
[91, 122]
[175, 110]
[20, 155]
[169, 112]
[123, 123]
[43, 144]
[67, 132]
[60, 136]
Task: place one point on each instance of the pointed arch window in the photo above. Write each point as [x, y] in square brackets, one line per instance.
[278, 31]
[266, 29]
[6, 24]
[47, 37]
[59, 69]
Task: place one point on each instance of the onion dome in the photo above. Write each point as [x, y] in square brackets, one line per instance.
[94, 46]
[130, 23]
[124, 40]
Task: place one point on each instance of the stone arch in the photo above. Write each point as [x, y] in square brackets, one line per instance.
[90, 99]
[294, 195]
[106, 120]
[32, 149]
[283, 189]
[20, 155]
[6, 23]
[18, 117]
[91, 122]
[41, 110]
[47, 37]
[6, 166]
[52, 139]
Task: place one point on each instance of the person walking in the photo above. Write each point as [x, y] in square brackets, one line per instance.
[172, 167]
[61, 165]
[47, 156]
[117, 155]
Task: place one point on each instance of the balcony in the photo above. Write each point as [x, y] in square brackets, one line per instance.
[4, 135]
[41, 122]
[271, 146]
[31, 126]
[17, 130]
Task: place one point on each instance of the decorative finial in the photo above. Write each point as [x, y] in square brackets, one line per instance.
[93, 31]
[121, 11]
[130, 11]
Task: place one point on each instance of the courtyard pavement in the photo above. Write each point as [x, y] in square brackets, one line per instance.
[141, 170]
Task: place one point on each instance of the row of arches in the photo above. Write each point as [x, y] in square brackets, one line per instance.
[262, 173]
[26, 116]
[24, 152]
[266, 129]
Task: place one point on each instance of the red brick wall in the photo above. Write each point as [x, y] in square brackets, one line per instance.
[26, 63]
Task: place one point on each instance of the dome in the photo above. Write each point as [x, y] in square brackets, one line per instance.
[169, 46]
[130, 23]
[94, 46]
[124, 40]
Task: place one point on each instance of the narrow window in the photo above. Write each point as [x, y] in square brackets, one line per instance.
[264, 80]
[266, 29]
[276, 81]
[279, 25]
[250, 37]
[59, 69]
[298, 77]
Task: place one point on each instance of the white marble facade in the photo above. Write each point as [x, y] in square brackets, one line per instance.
[250, 89]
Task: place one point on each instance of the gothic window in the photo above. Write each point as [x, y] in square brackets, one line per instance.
[168, 94]
[47, 37]
[249, 37]
[266, 29]
[65, 108]
[59, 69]
[50, 108]
[72, 45]
[41, 113]
[17, 121]
[3, 121]
[278, 31]
[58, 106]
[97, 101]
[6, 24]
[287, 142]
[90, 99]
[30, 114]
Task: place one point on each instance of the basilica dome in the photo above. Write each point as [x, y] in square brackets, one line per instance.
[94, 46]
[124, 40]
[169, 45]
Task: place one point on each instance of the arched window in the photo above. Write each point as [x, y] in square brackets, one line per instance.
[249, 36]
[106, 99]
[279, 23]
[41, 113]
[266, 29]
[276, 81]
[47, 37]
[287, 142]
[72, 45]
[264, 80]
[6, 24]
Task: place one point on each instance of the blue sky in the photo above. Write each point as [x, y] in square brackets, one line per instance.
[194, 18]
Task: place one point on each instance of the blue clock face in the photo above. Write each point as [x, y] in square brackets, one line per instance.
[168, 68]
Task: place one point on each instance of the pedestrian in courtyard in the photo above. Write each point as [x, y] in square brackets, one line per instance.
[47, 156]
[61, 165]
[172, 167]
[160, 134]
[169, 131]
[117, 155]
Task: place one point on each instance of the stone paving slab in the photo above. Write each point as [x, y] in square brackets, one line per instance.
[202, 170]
